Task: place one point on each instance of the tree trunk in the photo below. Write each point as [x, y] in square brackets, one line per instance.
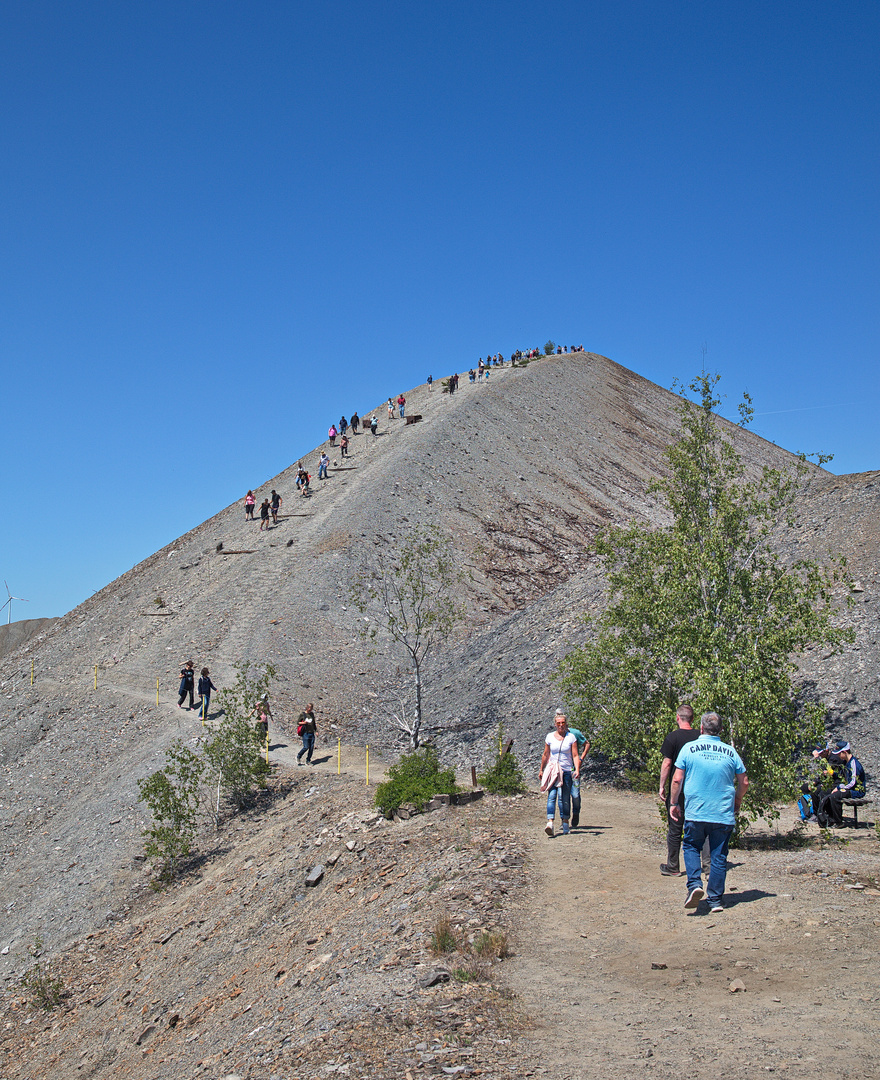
[417, 718]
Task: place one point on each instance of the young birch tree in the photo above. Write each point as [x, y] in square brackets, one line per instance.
[706, 611]
[408, 592]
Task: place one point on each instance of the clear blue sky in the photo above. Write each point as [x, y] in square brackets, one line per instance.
[224, 224]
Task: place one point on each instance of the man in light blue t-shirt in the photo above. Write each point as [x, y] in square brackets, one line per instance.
[715, 782]
[583, 749]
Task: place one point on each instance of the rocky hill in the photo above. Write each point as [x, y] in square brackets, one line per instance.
[520, 472]
[14, 635]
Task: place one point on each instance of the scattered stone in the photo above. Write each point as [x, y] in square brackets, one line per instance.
[737, 986]
[145, 1034]
[658, 967]
[432, 978]
[314, 876]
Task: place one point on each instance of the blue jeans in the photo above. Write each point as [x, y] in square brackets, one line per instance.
[575, 799]
[308, 738]
[718, 835]
[563, 794]
[322, 472]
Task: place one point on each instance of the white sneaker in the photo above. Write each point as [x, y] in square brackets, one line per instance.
[548, 828]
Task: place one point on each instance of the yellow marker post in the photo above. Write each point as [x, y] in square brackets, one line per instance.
[96, 676]
[338, 757]
[32, 673]
[157, 693]
[368, 766]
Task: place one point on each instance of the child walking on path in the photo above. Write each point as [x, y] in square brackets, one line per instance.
[205, 688]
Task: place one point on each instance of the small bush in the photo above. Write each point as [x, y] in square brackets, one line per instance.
[549, 348]
[173, 796]
[444, 938]
[465, 975]
[493, 944]
[504, 776]
[415, 779]
[45, 990]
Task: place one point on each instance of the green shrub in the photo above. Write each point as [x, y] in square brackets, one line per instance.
[642, 780]
[444, 938]
[493, 944]
[173, 795]
[415, 779]
[236, 751]
[504, 776]
[549, 348]
[45, 990]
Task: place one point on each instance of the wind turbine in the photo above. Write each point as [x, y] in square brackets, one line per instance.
[9, 602]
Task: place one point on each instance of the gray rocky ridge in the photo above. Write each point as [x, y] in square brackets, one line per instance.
[520, 472]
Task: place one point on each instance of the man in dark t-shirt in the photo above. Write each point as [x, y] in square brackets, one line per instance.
[672, 746]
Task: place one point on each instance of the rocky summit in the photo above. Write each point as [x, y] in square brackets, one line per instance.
[519, 471]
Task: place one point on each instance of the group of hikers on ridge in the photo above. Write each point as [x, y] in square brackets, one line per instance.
[270, 507]
[187, 689]
[306, 727]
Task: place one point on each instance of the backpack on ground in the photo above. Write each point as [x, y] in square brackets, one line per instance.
[805, 806]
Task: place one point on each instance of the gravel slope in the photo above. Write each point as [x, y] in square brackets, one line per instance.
[520, 473]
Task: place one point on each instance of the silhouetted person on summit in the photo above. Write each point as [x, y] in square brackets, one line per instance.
[355, 421]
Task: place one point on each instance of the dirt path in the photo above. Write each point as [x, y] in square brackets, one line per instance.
[599, 915]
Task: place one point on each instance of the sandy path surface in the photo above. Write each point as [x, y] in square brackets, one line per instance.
[599, 915]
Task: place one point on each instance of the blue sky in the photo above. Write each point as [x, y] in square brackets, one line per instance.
[225, 224]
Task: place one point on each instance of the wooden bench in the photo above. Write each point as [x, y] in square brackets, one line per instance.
[857, 804]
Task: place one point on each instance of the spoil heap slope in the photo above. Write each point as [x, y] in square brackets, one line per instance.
[520, 472]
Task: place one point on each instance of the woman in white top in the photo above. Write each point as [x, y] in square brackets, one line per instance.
[560, 757]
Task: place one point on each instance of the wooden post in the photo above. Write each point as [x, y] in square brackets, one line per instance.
[474, 775]
[507, 748]
[96, 676]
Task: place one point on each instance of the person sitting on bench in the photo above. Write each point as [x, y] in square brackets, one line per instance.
[831, 810]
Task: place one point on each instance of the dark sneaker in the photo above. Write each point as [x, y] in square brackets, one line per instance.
[694, 897]
[667, 871]
[716, 907]
[575, 821]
